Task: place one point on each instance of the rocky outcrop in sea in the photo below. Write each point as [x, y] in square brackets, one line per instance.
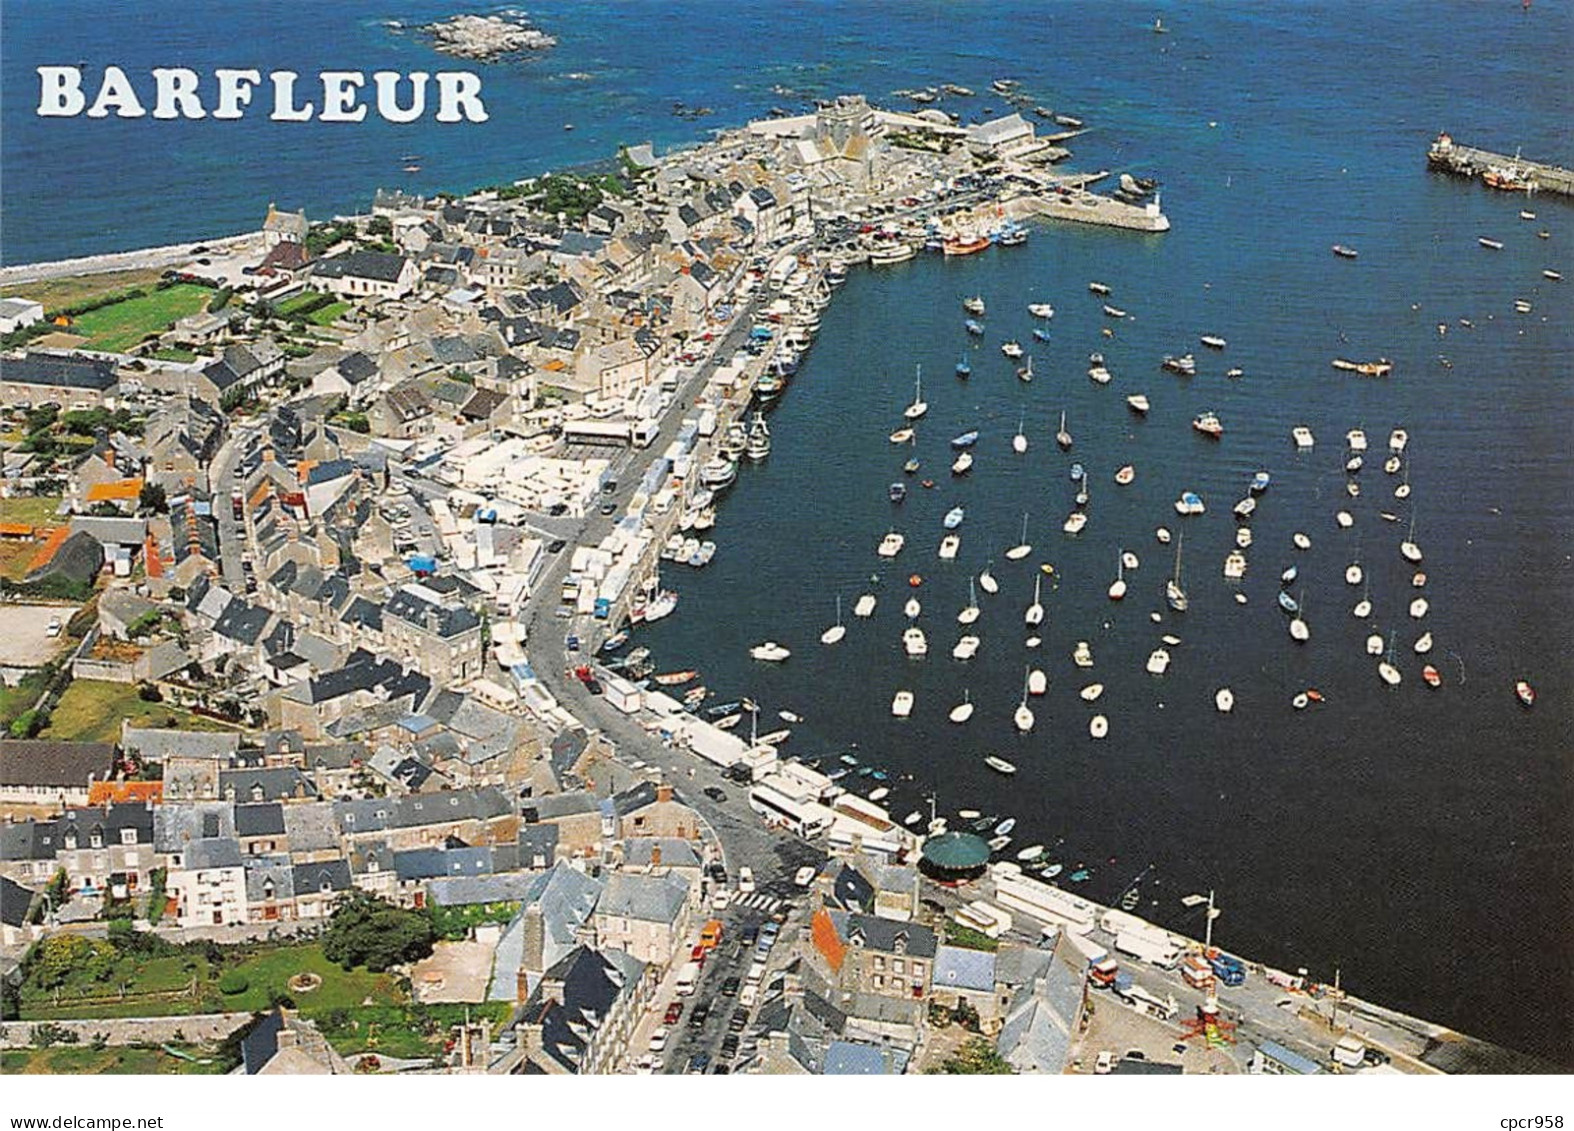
[486, 38]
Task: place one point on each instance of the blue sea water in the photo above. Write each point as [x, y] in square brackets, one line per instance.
[1418, 841]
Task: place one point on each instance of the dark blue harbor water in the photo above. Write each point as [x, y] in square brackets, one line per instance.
[1419, 841]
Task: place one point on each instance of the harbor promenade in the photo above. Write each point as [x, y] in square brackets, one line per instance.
[1515, 173]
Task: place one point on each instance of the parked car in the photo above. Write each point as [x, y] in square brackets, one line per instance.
[738, 1021]
[729, 988]
[556, 546]
[699, 1062]
[658, 1040]
[746, 879]
[715, 793]
[674, 1013]
[699, 1016]
[717, 872]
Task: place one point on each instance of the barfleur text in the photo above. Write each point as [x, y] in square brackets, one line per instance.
[178, 92]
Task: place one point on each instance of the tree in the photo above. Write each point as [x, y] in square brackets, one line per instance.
[56, 958]
[365, 931]
[153, 498]
[976, 1058]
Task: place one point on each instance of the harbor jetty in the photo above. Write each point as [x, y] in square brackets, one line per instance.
[1497, 170]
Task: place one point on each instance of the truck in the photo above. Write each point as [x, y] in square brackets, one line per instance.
[710, 934]
[1147, 949]
[1104, 972]
[1094, 952]
[1145, 1001]
[1349, 1052]
[707, 421]
[1230, 971]
[688, 977]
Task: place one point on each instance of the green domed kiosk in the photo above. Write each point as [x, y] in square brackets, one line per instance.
[954, 857]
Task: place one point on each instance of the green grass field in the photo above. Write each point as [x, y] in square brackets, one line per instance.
[119, 327]
[83, 1060]
[324, 317]
[35, 510]
[58, 293]
[90, 710]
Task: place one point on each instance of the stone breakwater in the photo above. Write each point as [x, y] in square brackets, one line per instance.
[485, 38]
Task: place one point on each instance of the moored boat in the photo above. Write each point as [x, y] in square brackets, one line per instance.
[1208, 424]
[769, 651]
[1138, 403]
[999, 765]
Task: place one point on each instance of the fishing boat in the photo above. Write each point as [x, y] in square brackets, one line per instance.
[1208, 424]
[1012, 349]
[1158, 661]
[966, 648]
[1098, 726]
[1185, 364]
[914, 643]
[1235, 565]
[674, 679]
[902, 704]
[1213, 341]
[769, 651]
[1173, 591]
[962, 464]
[774, 738]
[963, 710]
[891, 545]
[1302, 436]
[1031, 853]
[1113, 311]
[969, 613]
[1138, 403]
[1023, 718]
[953, 518]
[949, 545]
[987, 582]
[964, 368]
[1431, 677]
[1062, 437]
[897, 492]
[1098, 288]
[838, 630]
[1099, 375]
[965, 440]
[1041, 310]
[999, 765]
[1243, 537]
[865, 606]
[1125, 474]
[974, 327]
[1344, 252]
[613, 643]
[974, 305]
[1019, 441]
[759, 442]
[964, 244]
[1525, 693]
[1037, 682]
[1224, 700]
[1035, 612]
[1245, 507]
[911, 466]
[1189, 503]
[1082, 654]
[1021, 550]
[919, 405]
[1397, 439]
[1025, 372]
[718, 473]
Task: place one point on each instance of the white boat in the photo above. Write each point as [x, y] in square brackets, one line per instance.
[966, 648]
[1074, 523]
[1246, 507]
[1418, 608]
[1098, 726]
[1397, 439]
[913, 818]
[1025, 372]
[1362, 609]
[1224, 700]
[1117, 588]
[1353, 574]
[902, 704]
[1099, 288]
[661, 605]
[912, 608]
[1082, 654]
[974, 305]
[1011, 349]
[1345, 519]
[1302, 436]
[1031, 853]
[891, 545]
[962, 464]
[1137, 402]
[963, 710]
[1158, 661]
[1037, 682]
[1171, 639]
[1386, 670]
[1041, 310]
[919, 405]
[718, 473]
[953, 518]
[1019, 441]
[1409, 548]
[1035, 612]
[834, 634]
[1356, 439]
[1091, 692]
[1162, 534]
[1023, 717]
[775, 738]
[1213, 341]
[1128, 559]
[770, 651]
[914, 643]
[758, 445]
[948, 547]
[1125, 474]
[1374, 645]
[879, 794]
[1021, 550]
[1300, 631]
[1302, 542]
[864, 606]
[999, 765]
[1243, 537]
[1190, 503]
[1391, 465]
[1062, 437]
[1032, 642]
[1099, 375]
[1235, 565]
[987, 582]
[969, 614]
[1423, 644]
[902, 436]
[1353, 489]
[1174, 592]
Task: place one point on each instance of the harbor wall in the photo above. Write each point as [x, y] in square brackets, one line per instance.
[1465, 161]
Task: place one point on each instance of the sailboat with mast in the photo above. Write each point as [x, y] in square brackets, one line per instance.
[969, 614]
[1408, 547]
[1173, 592]
[838, 630]
[1117, 588]
[1023, 548]
[1299, 630]
[1019, 441]
[1024, 715]
[1385, 668]
[1035, 612]
[986, 579]
[919, 406]
[1062, 437]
